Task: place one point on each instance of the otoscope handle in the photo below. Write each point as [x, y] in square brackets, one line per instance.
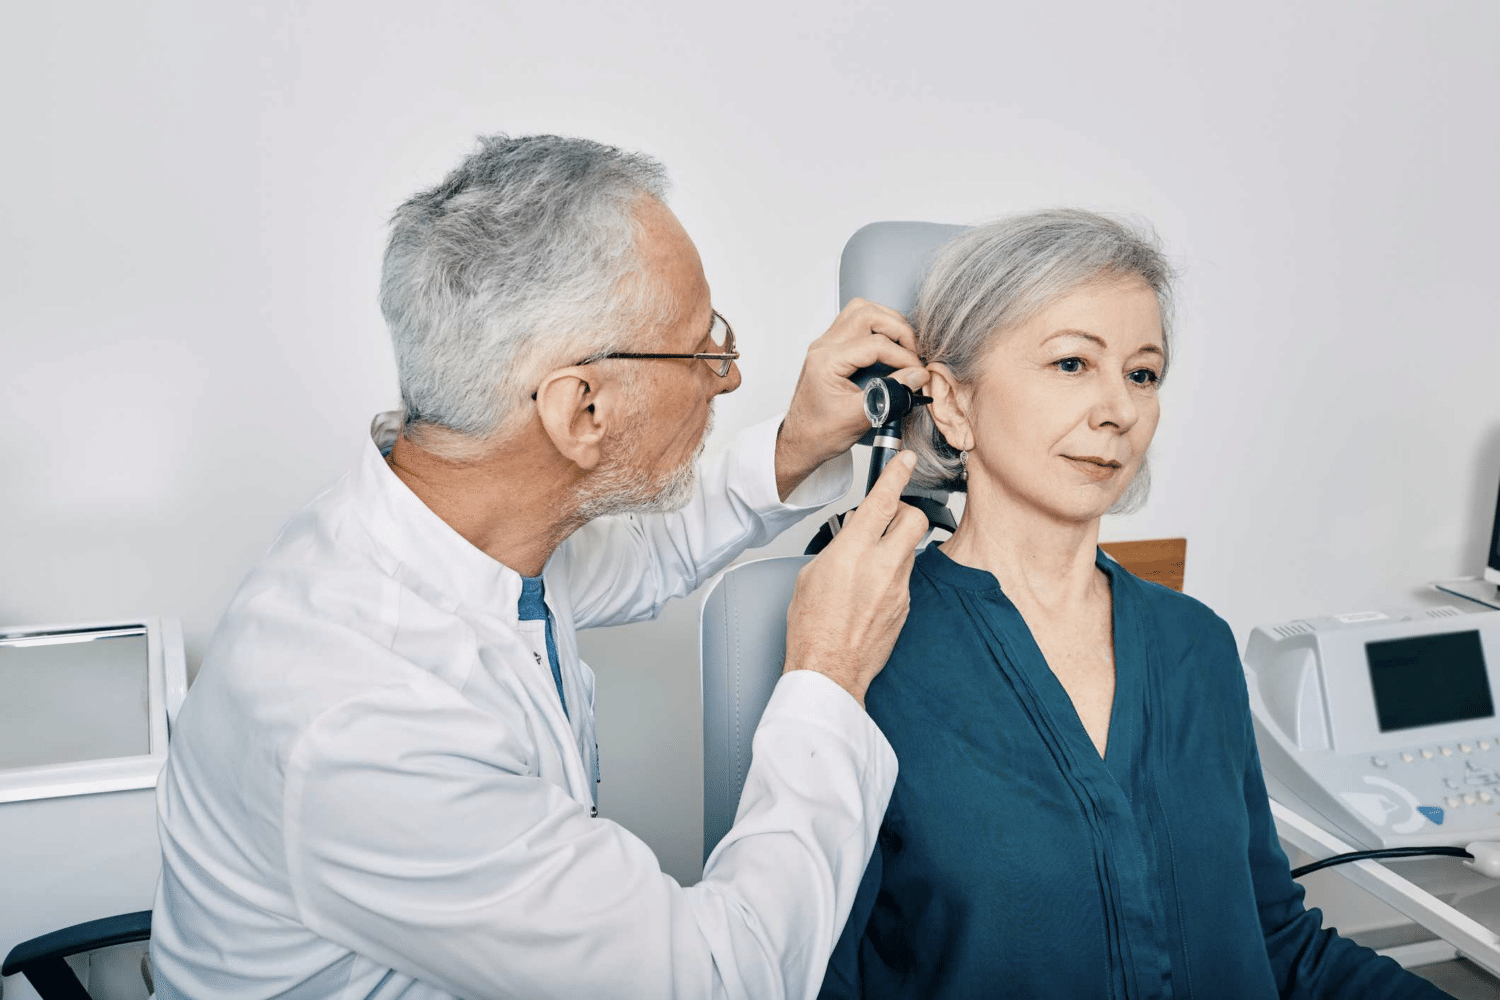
[883, 447]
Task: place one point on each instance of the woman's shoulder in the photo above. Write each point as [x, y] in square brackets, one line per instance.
[1184, 624]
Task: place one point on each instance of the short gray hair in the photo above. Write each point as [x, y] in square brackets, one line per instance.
[995, 277]
[521, 261]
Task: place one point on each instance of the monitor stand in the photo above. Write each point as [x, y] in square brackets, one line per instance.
[1479, 591]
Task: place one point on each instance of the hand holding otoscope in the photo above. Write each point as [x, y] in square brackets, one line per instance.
[887, 402]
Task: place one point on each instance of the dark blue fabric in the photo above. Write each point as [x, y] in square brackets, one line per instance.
[533, 607]
[1015, 862]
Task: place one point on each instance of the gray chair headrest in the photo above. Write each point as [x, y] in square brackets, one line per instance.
[885, 261]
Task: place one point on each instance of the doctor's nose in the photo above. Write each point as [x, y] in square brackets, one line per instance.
[729, 382]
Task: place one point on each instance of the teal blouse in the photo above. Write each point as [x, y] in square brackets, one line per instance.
[1015, 862]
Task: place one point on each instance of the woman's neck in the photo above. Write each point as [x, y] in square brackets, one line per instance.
[1040, 560]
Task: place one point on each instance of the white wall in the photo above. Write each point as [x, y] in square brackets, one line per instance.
[195, 199]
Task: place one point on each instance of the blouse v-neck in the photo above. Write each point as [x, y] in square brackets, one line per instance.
[1008, 628]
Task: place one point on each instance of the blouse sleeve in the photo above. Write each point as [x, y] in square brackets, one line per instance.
[1307, 960]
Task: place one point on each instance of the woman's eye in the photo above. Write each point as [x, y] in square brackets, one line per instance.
[1069, 365]
[1144, 376]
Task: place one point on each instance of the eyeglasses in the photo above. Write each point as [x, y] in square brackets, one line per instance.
[720, 333]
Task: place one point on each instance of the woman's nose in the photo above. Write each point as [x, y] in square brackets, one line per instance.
[1116, 407]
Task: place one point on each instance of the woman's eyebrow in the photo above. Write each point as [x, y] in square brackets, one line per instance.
[1078, 333]
[1145, 349]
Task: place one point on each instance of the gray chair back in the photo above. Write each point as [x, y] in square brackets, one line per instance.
[884, 261]
[743, 627]
[743, 621]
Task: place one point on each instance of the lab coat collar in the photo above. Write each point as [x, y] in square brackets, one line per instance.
[424, 543]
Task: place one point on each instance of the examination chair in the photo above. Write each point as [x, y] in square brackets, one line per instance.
[743, 623]
[743, 619]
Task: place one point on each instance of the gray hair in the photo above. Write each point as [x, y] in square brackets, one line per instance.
[521, 261]
[995, 277]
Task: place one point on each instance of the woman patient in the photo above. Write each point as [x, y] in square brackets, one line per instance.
[1080, 811]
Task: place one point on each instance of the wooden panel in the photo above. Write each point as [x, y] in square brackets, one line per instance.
[1159, 560]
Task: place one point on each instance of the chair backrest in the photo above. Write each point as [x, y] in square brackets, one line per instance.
[743, 629]
[743, 623]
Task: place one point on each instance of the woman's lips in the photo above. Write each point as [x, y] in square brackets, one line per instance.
[1094, 468]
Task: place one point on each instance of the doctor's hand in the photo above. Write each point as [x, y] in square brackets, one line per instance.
[852, 599]
[827, 413]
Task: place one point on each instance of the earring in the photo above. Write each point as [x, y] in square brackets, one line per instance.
[963, 467]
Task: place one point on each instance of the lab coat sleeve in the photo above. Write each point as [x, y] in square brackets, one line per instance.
[623, 568]
[417, 836]
[842, 981]
[1307, 960]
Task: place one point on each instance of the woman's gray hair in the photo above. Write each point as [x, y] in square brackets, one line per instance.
[521, 261]
[995, 277]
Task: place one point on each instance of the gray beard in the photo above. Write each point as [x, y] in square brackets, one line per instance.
[622, 488]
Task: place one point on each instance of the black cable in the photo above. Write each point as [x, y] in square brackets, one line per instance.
[1389, 852]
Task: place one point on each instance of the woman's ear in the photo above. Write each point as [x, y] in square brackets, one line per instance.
[565, 404]
[950, 407]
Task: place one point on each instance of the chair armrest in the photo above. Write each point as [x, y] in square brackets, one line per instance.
[79, 938]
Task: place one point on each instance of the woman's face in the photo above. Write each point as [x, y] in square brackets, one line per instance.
[1065, 406]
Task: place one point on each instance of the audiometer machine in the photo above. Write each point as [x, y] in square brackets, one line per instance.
[1382, 725]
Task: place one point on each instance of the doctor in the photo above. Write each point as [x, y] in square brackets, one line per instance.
[382, 783]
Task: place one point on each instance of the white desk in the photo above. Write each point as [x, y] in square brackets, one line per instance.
[1441, 894]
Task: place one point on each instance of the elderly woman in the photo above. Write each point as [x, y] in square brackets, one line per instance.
[1080, 811]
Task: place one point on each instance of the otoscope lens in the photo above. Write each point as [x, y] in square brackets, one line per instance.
[877, 402]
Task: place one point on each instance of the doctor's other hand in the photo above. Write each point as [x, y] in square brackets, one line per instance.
[827, 414]
[852, 599]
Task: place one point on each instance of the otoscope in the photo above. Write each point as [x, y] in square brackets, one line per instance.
[887, 402]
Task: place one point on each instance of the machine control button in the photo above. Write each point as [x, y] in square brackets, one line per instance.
[1470, 798]
[1450, 782]
[1379, 762]
[1466, 748]
[1446, 751]
[1406, 756]
[1470, 765]
[1484, 744]
[1454, 802]
[1486, 797]
[1427, 755]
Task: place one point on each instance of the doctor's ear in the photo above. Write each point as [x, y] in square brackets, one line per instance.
[568, 406]
[950, 406]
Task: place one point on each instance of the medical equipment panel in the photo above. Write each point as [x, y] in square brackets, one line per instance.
[1382, 725]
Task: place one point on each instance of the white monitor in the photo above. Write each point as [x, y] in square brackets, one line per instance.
[1492, 565]
[86, 708]
[1486, 589]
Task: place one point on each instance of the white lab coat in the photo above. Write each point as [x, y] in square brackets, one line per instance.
[373, 790]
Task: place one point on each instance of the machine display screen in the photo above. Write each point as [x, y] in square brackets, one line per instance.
[1429, 680]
